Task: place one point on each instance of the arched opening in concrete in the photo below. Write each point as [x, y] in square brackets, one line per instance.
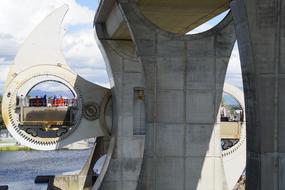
[234, 150]
[232, 113]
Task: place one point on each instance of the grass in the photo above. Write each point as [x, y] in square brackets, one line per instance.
[14, 148]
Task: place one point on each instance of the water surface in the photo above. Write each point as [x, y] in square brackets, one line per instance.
[19, 169]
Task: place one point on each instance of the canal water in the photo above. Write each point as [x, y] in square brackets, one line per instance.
[19, 169]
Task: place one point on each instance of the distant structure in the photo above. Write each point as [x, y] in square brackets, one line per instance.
[159, 125]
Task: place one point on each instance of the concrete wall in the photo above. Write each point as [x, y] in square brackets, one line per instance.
[127, 78]
[182, 78]
[260, 30]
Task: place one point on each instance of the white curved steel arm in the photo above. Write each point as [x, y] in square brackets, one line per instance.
[43, 45]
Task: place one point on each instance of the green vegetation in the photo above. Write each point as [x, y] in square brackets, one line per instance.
[14, 148]
[1, 119]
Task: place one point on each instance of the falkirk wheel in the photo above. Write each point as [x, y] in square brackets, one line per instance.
[44, 127]
[92, 115]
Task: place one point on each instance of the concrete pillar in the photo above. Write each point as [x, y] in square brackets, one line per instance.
[127, 84]
[260, 30]
[182, 80]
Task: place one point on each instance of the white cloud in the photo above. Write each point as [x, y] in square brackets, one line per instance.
[19, 17]
[84, 56]
[4, 68]
[234, 75]
[81, 46]
[51, 87]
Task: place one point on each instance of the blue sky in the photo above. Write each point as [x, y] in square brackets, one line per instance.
[91, 4]
[79, 46]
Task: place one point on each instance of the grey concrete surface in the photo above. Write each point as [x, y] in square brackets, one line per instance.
[179, 16]
[260, 33]
[182, 77]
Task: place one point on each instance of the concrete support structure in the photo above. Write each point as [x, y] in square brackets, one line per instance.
[166, 91]
[166, 95]
[260, 29]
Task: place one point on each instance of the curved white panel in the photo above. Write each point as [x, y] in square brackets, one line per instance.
[43, 45]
